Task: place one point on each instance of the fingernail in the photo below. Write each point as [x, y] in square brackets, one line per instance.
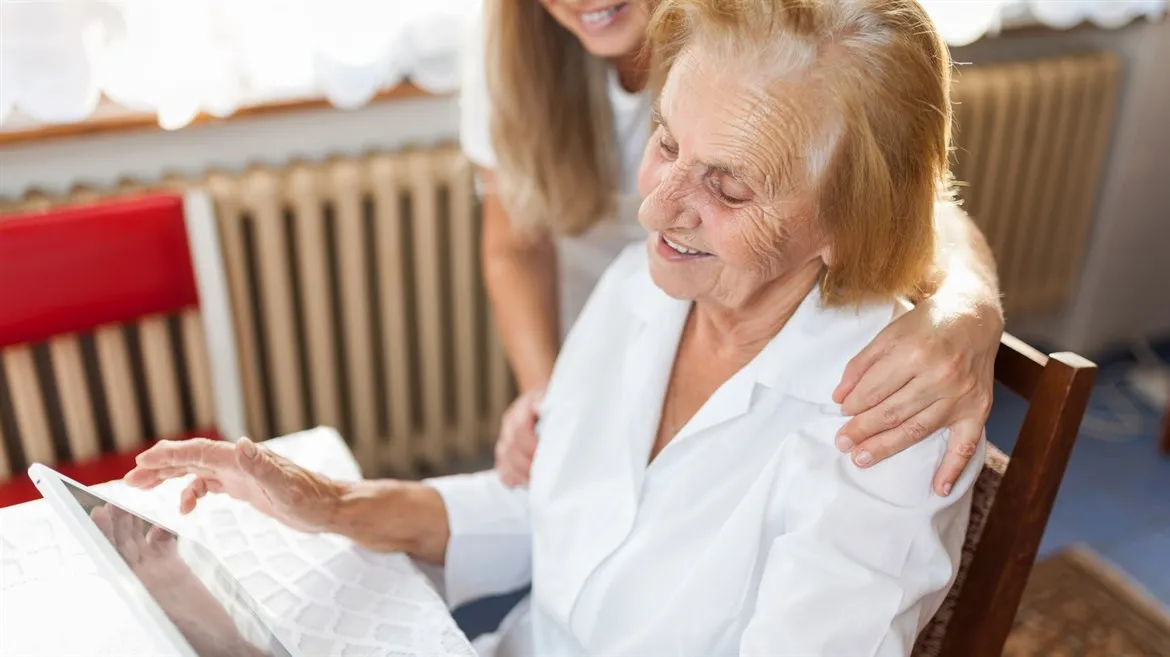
[248, 447]
[843, 443]
[863, 458]
[946, 489]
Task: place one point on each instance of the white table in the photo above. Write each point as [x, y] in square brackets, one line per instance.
[320, 588]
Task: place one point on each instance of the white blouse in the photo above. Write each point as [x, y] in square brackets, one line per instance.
[749, 534]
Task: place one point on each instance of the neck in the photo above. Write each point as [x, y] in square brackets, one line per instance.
[746, 328]
[633, 72]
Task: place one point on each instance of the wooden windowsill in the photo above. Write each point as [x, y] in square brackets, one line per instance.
[137, 121]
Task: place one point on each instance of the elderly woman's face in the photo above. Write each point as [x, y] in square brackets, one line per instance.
[727, 199]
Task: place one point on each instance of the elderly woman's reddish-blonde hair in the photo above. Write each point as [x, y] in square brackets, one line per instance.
[883, 163]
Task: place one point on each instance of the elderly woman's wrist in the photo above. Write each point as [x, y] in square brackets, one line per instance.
[427, 515]
[392, 516]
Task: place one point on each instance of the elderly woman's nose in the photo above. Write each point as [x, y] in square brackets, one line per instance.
[670, 203]
[656, 217]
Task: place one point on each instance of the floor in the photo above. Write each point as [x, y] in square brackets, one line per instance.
[1115, 496]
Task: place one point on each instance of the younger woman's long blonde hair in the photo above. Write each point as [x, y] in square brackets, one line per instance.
[551, 122]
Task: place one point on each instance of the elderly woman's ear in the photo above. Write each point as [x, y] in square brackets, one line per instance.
[827, 255]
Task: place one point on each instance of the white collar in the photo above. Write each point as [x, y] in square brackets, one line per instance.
[807, 358]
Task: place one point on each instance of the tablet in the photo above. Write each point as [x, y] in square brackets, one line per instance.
[176, 588]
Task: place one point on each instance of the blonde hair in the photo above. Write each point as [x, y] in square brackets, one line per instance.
[887, 73]
[551, 123]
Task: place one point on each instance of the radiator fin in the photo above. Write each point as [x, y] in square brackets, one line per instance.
[118, 383]
[224, 191]
[73, 391]
[348, 184]
[198, 368]
[28, 404]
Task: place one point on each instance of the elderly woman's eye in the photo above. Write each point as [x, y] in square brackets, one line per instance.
[730, 191]
[669, 148]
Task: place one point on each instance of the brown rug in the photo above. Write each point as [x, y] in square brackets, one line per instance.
[1077, 605]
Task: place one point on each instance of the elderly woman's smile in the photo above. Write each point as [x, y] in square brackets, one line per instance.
[680, 249]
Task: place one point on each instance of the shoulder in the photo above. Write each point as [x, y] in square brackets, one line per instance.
[819, 479]
[806, 361]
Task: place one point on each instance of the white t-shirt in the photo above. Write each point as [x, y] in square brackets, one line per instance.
[582, 259]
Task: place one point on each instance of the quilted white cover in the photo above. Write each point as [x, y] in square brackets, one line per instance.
[328, 596]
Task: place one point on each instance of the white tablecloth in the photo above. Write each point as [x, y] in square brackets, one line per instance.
[329, 596]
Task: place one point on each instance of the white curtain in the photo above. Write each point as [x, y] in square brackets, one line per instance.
[964, 21]
[177, 58]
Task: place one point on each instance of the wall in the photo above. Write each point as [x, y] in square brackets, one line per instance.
[1124, 292]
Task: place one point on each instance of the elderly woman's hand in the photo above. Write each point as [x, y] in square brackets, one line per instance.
[269, 482]
[929, 369]
[517, 443]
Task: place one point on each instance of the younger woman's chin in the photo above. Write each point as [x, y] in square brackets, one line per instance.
[621, 41]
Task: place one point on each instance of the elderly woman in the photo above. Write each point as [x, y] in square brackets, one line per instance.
[687, 497]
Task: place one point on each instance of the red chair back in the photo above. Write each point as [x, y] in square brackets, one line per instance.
[74, 269]
[72, 272]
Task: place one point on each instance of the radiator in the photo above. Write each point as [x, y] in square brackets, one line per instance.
[358, 302]
[107, 390]
[1031, 142]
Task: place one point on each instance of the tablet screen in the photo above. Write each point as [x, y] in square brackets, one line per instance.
[199, 595]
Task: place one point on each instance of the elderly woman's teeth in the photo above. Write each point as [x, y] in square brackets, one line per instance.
[680, 248]
[600, 16]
